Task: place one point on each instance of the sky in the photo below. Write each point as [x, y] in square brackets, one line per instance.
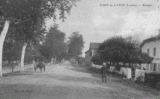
[98, 20]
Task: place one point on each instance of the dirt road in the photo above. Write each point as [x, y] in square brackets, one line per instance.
[64, 81]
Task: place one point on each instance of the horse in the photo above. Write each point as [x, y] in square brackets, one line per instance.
[40, 65]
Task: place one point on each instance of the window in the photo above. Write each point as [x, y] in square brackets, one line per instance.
[158, 67]
[148, 51]
[154, 67]
[154, 51]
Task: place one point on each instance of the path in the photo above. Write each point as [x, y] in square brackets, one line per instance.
[65, 82]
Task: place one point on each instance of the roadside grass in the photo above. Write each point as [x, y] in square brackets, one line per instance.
[9, 65]
[11, 68]
[127, 82]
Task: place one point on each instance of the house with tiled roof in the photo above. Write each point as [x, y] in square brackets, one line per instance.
[151, 46]
[92, 50]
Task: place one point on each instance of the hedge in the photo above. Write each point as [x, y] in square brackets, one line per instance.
[153, 80]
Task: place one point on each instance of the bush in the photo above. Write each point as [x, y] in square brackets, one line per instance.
[153, 80]
[96, 60]
[140, 79]
[158, 85]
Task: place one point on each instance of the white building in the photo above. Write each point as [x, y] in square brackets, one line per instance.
[151, 46]
[92, 50]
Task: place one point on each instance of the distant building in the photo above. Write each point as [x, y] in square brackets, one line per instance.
[151, 46]
[92, 50]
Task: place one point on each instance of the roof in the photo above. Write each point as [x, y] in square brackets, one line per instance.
[144, 58]
[150, 39]
[87, 51]
[139, 57]
[93, 46]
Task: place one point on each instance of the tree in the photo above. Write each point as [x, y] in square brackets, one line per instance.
[31, 35]
[133, 52]
[75, 44]
[125, 50]
[23, 10]
[113, 49]
[11, 50]
[97, 59]
[54, 44]
[61, 51]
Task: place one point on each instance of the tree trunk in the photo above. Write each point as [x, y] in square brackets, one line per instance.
[52, 60]
[22, 56]
[12, 66]
[2, 38]
[55, 60]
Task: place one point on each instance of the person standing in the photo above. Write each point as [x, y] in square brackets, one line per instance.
[104, 70]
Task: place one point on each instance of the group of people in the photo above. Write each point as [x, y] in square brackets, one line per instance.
[104, 72]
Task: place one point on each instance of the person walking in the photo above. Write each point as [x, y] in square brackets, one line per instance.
[104, 70]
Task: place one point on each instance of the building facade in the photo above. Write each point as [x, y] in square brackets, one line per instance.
[92, 50]
[151, 46]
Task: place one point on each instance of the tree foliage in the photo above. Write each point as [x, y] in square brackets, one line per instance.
[11, 51]
[31, 51]
[112, 49]
[28, 17]
[54, 45]
[97, 59]
[23, 9]
[119, 49]
[75, 44]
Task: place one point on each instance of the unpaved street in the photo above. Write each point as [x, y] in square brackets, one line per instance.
[64, 81]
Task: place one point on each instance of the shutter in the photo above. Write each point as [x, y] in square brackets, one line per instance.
[158, 67]
[151, 67]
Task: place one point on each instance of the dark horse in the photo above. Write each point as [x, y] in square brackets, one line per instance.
[40, 65]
